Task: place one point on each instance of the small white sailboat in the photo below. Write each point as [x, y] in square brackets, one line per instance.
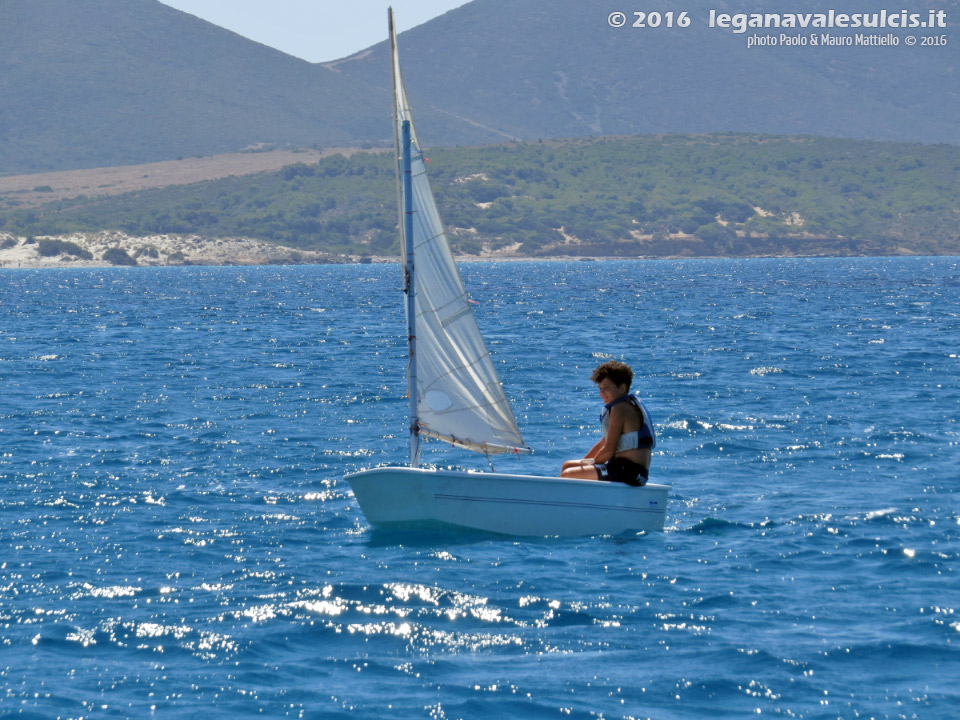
[456, 397]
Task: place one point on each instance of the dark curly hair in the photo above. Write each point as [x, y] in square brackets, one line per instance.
[618, 372]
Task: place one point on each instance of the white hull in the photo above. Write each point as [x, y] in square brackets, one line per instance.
[509, 504]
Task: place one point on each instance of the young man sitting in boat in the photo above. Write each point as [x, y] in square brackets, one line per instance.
[623, 453]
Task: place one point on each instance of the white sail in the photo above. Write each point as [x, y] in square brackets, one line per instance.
[459, 398]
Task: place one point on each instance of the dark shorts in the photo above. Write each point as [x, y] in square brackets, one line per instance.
[623, 470]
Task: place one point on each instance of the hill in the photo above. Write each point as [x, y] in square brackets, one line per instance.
[535, 69]
[701, 195]
[90, 83]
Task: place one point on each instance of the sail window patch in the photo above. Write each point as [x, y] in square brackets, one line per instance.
[437, 400]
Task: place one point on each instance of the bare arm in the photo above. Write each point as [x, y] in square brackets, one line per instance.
[595, 449]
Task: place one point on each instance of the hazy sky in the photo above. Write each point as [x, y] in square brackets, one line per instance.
[315, 30]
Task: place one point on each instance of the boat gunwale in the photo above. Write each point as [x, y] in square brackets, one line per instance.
[475, 474]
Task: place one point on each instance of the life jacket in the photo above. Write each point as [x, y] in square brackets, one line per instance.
[645, 438]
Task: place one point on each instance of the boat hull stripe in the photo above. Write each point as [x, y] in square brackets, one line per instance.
[521, 501]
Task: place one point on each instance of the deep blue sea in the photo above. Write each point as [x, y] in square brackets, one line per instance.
[176, 539]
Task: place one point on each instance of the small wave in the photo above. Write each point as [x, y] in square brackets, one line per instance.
[84, 636]
[761, 371]
[331, 608]
[151, 499]
[874, 514]
[113, 591]
[715, 526]
[61, 502]
[260, 613]
[886, 652]
[723, 426]
[727, 426]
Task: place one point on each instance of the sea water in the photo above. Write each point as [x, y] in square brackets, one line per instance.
[176, 538]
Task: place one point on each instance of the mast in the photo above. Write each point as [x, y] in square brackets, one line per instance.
[409, 289]
[396, 120]
[402, 143]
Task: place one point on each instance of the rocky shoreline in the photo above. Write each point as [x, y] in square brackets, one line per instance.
[110, 248]
[113, 248]
[117, 249]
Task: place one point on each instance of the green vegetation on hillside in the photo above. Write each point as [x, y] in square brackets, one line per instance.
[118, 256]
[644, 195]
[51, 248]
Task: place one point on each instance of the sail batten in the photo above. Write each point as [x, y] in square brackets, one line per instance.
[458, 396]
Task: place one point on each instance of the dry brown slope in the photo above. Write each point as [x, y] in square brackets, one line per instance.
[39, 188]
